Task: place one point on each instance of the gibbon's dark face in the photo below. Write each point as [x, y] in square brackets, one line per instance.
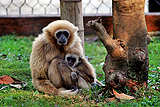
[62, 36]
[72, 60]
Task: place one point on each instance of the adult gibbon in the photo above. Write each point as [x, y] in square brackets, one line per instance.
[51, 73]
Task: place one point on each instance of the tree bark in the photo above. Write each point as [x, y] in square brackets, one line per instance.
[127, 61]
[71, 10]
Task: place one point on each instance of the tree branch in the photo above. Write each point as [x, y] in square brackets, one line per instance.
[112, 46]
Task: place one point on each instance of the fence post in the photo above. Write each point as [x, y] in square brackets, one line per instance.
[71, 10]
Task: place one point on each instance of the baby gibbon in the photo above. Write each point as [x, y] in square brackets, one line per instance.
[75, 60]
[51, 73]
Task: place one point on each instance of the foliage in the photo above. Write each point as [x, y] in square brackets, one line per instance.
[14, 61]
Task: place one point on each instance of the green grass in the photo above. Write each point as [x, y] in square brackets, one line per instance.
[14, 61]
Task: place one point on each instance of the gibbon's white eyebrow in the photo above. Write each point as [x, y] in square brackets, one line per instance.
[62, 30]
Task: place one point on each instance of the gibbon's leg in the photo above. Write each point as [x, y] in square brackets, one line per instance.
[60, 76]
[44, 85]
[82, 83]
[79, 81]
[86, 71]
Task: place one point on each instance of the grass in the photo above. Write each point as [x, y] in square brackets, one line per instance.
[14, 61]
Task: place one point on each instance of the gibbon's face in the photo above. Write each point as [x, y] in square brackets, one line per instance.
[62, 36]
[73, 61]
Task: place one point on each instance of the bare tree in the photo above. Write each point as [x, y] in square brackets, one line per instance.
[127, 60]
[71, 10]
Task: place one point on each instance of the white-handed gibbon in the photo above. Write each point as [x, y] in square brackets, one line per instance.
[73, 58]
[51, 73]
[76, 60]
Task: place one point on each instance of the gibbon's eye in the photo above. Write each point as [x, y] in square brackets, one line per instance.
[80, 59]
[58, 34]
[66, 34]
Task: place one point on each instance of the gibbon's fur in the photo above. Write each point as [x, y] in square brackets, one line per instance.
[51, 74]
[79, 63]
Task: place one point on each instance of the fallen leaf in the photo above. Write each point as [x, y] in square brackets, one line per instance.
[155, 71]
[122, 96]
[16, 85]
[133, 85]
[100, 75]
[5, 79]
[113, 99]
[17, 81]
[44, 96]
[3, 87]
[4, 55]
[101, 63]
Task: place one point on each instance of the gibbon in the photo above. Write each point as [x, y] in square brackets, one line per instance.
[52, 71]
[74, 58]
[76, 61]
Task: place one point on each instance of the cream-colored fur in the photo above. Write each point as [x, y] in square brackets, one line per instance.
[50, 72]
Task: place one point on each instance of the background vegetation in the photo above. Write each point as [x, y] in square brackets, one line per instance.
[14, 61]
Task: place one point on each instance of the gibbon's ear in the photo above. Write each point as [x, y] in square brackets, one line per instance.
[45, 29]
[46, 32]
[76, 29]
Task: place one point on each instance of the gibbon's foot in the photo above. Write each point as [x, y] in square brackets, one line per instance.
[93, 84]
[74, 88]
[68, 92]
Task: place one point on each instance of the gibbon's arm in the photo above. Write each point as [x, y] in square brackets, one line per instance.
[39, 67]
[76, 49]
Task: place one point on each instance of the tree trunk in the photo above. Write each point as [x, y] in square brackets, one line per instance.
[71, 10]
[127, 60]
